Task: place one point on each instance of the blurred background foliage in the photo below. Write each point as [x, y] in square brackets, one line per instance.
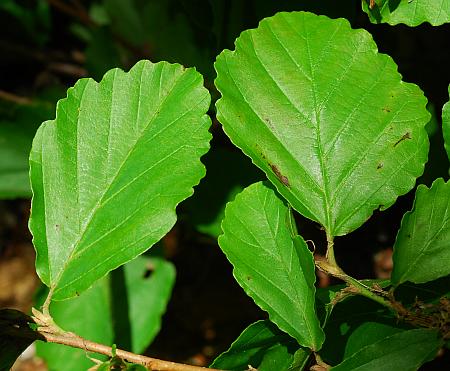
[47, 45]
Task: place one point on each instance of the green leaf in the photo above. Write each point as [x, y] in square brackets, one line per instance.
[446, 124]
[88, 316]
[409, 12]
[324, 115]
[15, 336]
[346, 319]
[149, 282]
[108, 172]
[301, 358]
[271, 263]
[261, 345]
[421, 250]
[404, 351]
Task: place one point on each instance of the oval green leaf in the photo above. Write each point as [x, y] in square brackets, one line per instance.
[421, 250]
[271, 263]
[404, 351]
[409, 12]
[324, 115]
[108, 172]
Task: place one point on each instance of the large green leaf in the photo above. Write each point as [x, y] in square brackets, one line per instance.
[108, 172]
[405, 350]
[446, 124]
[422, 247]
[409, 12]
[271, 262]
[261, 345]
[324, 115]
[89, 316]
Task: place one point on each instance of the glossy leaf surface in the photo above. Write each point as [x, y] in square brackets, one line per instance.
[261, 345]
[272, 264]
[421, 250]
[108, 172]
[324, 115]
[446, 124]
[405, 350]
[409, 12]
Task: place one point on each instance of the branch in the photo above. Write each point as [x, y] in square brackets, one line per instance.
[53, 334]
[10, 97]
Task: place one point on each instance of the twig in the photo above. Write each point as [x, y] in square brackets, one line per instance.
[53, 334]
[10, 97]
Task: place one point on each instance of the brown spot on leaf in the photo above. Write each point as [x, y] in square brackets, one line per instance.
[283, 179]
[386, 109]
[380, 166]
[407, 135]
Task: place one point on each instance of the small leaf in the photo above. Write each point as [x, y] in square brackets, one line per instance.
[273, 266]
[421, 250]
[404, 351]
[324, 115]
[109, 171]
[446, 124]
[301, 358]
[261, 345]
[89, 316]
[409, 12]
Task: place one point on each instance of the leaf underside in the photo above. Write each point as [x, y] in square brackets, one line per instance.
[108, 172]
[324, 115]
[421, 250]
[274, 267]
[409, 12]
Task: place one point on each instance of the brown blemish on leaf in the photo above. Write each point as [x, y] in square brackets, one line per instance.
[386, 109]
[404, 137]
[283, 179]
[380, 166]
